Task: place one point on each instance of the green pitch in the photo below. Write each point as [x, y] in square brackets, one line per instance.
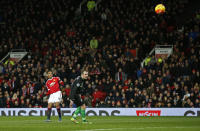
[102, 124]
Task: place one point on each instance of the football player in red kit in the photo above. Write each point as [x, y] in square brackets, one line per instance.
[55, 95]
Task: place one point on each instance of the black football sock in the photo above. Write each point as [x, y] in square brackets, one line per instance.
[59, 112]
[49, 113]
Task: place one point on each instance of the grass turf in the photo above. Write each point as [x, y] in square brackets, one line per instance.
[112, 123]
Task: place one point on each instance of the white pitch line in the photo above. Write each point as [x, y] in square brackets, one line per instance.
[132, 128]
[108, 129]
[102, 129]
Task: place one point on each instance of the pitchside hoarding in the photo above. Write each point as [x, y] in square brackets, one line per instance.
[104, 111]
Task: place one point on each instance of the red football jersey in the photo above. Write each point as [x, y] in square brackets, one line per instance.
[53, 85]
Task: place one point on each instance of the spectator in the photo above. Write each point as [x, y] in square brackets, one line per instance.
[1, 100]
[93, 46]
[88, 100]
[90, 5]
[120, 76]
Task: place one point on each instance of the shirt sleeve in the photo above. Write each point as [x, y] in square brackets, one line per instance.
[60, 81]
[48, 90]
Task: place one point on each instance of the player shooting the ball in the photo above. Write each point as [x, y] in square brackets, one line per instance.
[55, 95]
[77, 90]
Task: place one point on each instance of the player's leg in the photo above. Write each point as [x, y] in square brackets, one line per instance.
[57, 100]
[50, 103]
[73, 119]
[77, 111]
[83, 114]
[49, 111]
[58, 110]
[83, 107]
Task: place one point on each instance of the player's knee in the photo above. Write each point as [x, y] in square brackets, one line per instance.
[49, 105]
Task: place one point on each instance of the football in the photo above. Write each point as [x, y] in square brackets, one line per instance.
[160, 9]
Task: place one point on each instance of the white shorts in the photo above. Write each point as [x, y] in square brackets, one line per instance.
[55, 97]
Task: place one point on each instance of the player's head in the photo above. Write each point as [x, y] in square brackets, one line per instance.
[84, 74]
[50, 74]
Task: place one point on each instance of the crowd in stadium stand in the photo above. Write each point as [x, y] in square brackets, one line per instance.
[101, 40]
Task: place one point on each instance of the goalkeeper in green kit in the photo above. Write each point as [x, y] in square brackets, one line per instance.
[77, 90]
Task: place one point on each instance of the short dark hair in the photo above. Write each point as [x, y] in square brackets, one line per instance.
[83, 70]
[50, 71]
